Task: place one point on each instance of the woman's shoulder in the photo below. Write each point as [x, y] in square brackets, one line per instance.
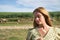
[33, 30]
[56, 29]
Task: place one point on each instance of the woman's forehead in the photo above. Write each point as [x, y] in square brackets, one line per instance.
[38, 13]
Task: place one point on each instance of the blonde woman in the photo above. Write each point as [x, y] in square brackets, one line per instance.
[43, 29]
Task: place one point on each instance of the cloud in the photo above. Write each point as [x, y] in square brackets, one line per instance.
[30, 5]
[9, 8]
[48, 4]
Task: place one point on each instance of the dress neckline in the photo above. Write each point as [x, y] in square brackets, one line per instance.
[45, 34]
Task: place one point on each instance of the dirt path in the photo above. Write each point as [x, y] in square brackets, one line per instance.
[20, 27]
[15, 27]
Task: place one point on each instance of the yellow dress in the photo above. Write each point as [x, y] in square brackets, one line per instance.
[53, 34]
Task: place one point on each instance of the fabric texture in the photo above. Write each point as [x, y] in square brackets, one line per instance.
[53, 34]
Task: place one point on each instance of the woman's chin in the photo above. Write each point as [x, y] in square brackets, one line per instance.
[39, 23]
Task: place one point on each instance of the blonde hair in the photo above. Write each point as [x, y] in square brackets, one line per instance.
[45, 14]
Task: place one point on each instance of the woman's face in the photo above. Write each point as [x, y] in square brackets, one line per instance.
[39, 18]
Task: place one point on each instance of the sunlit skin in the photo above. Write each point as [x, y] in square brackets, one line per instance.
[39, 19]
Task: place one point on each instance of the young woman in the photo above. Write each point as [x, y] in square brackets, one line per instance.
[43, 29]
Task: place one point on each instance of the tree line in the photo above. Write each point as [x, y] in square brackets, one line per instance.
[25, 15]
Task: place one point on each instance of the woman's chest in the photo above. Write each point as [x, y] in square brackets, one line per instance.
[49, 36]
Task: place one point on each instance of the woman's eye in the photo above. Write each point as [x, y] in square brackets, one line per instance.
[38, 16]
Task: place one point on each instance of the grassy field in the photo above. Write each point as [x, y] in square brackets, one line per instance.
[16, 24]
[24, 17]
[20, 34]
[27, 23]
[13, 34]
[17, 34]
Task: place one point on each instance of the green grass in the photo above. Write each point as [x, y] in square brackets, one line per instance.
[13, 34]
[16, 24]
[24, 23]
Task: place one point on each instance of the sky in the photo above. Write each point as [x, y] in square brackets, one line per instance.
[28, 5]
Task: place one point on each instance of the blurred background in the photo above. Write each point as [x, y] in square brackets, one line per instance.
[16, 16]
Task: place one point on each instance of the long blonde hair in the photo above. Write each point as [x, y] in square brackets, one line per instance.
[45, 14]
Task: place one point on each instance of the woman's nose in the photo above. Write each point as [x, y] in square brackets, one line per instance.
[37, 19]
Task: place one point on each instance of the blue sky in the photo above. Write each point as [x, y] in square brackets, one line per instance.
[28, 5]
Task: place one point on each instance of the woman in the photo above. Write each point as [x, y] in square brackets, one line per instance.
[43, 29]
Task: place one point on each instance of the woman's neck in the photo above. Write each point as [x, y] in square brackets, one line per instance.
[45, 27]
